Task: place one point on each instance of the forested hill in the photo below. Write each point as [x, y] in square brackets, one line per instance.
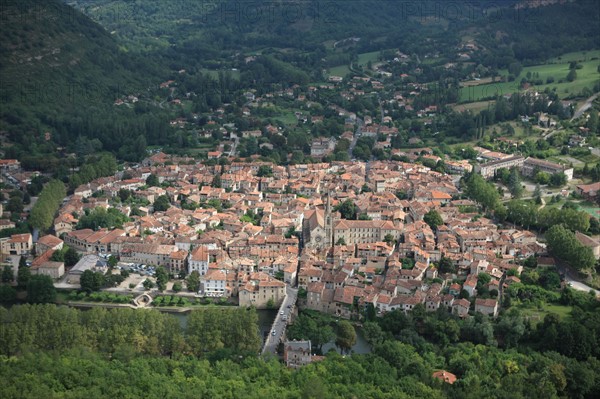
[56, 64]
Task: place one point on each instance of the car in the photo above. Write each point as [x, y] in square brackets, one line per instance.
[289, 306]
[273, 332]
[281, 312]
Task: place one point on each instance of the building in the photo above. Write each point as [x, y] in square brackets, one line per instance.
[178, 261]
[589, 191]
[262, 290]
[53, 269]
[48, 242]
[445, 376]
[87, 262]
[531, 166]
[320, 230]
[17, 244]
[151, 254]
[322, 146]
[486, 306]
[589, 242]
[297, 353]
[198, 260]
[487, 170]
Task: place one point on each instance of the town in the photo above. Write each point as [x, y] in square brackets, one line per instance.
[347, 235]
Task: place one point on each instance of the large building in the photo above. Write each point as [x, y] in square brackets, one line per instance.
[488, 169]
[260, 290]
[531, 166]
[320, 230]
[198, 260]
[17, 244]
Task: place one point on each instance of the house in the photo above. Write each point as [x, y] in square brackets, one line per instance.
[486, 306]
[589, 191]
[262, 290]
[589, 242]
[198, 260]
[445, 376]
[460, 307]
[297, 353]
[17, 244]
[53, 269]
[48, 242]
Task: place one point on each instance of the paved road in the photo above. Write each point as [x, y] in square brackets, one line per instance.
[571, 278]
[586, 105]
[279, 325]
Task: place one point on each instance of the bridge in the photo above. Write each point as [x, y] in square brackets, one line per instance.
[277, 331]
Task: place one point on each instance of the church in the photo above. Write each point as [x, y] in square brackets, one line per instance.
[321, 229]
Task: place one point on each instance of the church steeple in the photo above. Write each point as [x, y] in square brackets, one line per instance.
[328, 222]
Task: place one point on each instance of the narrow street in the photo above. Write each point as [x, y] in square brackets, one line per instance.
[279, 324]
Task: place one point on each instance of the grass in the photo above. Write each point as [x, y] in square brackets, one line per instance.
[577, 56]
[340, 70]
[586, 77]
[537, 314]
[475, 106]
[364, 58]
[592, 209]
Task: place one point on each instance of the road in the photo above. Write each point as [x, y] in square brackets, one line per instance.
[585, 106]
[279, 325]
[571, 278]
[357, 133]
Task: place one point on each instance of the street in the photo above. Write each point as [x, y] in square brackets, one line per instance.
[279, 325]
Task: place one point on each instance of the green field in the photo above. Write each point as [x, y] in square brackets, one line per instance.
[576, 56]
[340, 70]
[586, 77]
[364, 58]
[537, 315]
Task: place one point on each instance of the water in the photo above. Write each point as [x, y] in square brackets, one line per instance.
[361, 346]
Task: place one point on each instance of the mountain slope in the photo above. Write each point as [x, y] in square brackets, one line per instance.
[57, 68]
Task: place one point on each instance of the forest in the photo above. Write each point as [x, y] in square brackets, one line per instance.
[133, 353]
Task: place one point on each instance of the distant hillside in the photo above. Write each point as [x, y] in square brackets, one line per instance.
[59, 68]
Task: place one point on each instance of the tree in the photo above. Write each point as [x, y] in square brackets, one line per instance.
[91, 281]
[389, 239]
[177, 287]
[193, 281]
[23, 274]
[447, 266]
[563, 244]
[572, 75]
[264, 171]
[72, 257]
[40, 289]
[347, 209]
[148, 284]
[161, 203]
[514, 183]
[162, 277]
[537, 194]
[433, 219]
[558, 179]
[112, 261]
[7, 274]
[152, 180]
[8, 294]
[49, 200]
[346, 336]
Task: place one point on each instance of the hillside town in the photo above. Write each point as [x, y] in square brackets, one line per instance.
[250, 229]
